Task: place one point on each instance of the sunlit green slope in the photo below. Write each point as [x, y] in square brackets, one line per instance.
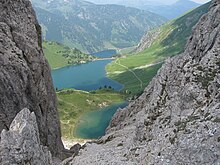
[59, 55]
[136, 69]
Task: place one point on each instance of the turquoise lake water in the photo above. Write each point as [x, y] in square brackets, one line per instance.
[89, 76]
[92, 125]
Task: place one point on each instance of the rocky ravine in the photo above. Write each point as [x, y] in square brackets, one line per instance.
[177, 119]
[25, 77]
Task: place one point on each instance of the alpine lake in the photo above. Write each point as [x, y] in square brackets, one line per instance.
[88, 77]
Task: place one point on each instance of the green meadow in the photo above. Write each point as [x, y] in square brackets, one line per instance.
[73, 103]
[59, 55]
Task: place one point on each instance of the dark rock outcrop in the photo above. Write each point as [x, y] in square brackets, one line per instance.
[21, 144]
[25, 77]
[177, 119]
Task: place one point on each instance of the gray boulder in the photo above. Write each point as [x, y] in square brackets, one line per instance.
[21, 144]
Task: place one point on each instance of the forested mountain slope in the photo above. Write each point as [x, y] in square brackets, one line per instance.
[90, 27]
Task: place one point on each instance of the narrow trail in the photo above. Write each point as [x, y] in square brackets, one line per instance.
[118, 63]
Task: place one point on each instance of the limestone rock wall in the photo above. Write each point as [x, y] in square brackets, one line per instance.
[25, 76]
[21, 144]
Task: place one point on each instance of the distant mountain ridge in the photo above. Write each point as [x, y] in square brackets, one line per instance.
[134, 3]
[168, 8]
[91, 28]
[174, 34]
[174, 10]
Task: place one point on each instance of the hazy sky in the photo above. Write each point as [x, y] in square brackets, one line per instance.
[132, 1]
[172, 1]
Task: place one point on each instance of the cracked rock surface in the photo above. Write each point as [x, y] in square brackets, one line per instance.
[21, 144]
[25, 76]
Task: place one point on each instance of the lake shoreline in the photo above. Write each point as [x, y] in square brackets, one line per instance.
[97, 121]
[73, 104]
[87, 77]
[98, 59]
[83, 89]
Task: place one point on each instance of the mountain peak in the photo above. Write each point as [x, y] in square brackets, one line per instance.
[91, 28]
[179, 2]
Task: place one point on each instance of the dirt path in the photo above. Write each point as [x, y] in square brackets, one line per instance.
[118, 63]
[132, 70]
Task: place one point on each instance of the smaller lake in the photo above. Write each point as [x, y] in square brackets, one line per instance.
[105, 53]
[93, 124]
[89, 76]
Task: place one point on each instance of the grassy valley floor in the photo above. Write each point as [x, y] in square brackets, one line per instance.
[135, 80]
[74, 103]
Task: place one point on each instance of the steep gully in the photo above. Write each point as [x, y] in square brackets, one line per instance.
[175, 120]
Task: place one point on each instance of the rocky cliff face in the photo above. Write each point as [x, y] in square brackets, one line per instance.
[25, 78]
[177, 119]
[147, 40]
[21, 144]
